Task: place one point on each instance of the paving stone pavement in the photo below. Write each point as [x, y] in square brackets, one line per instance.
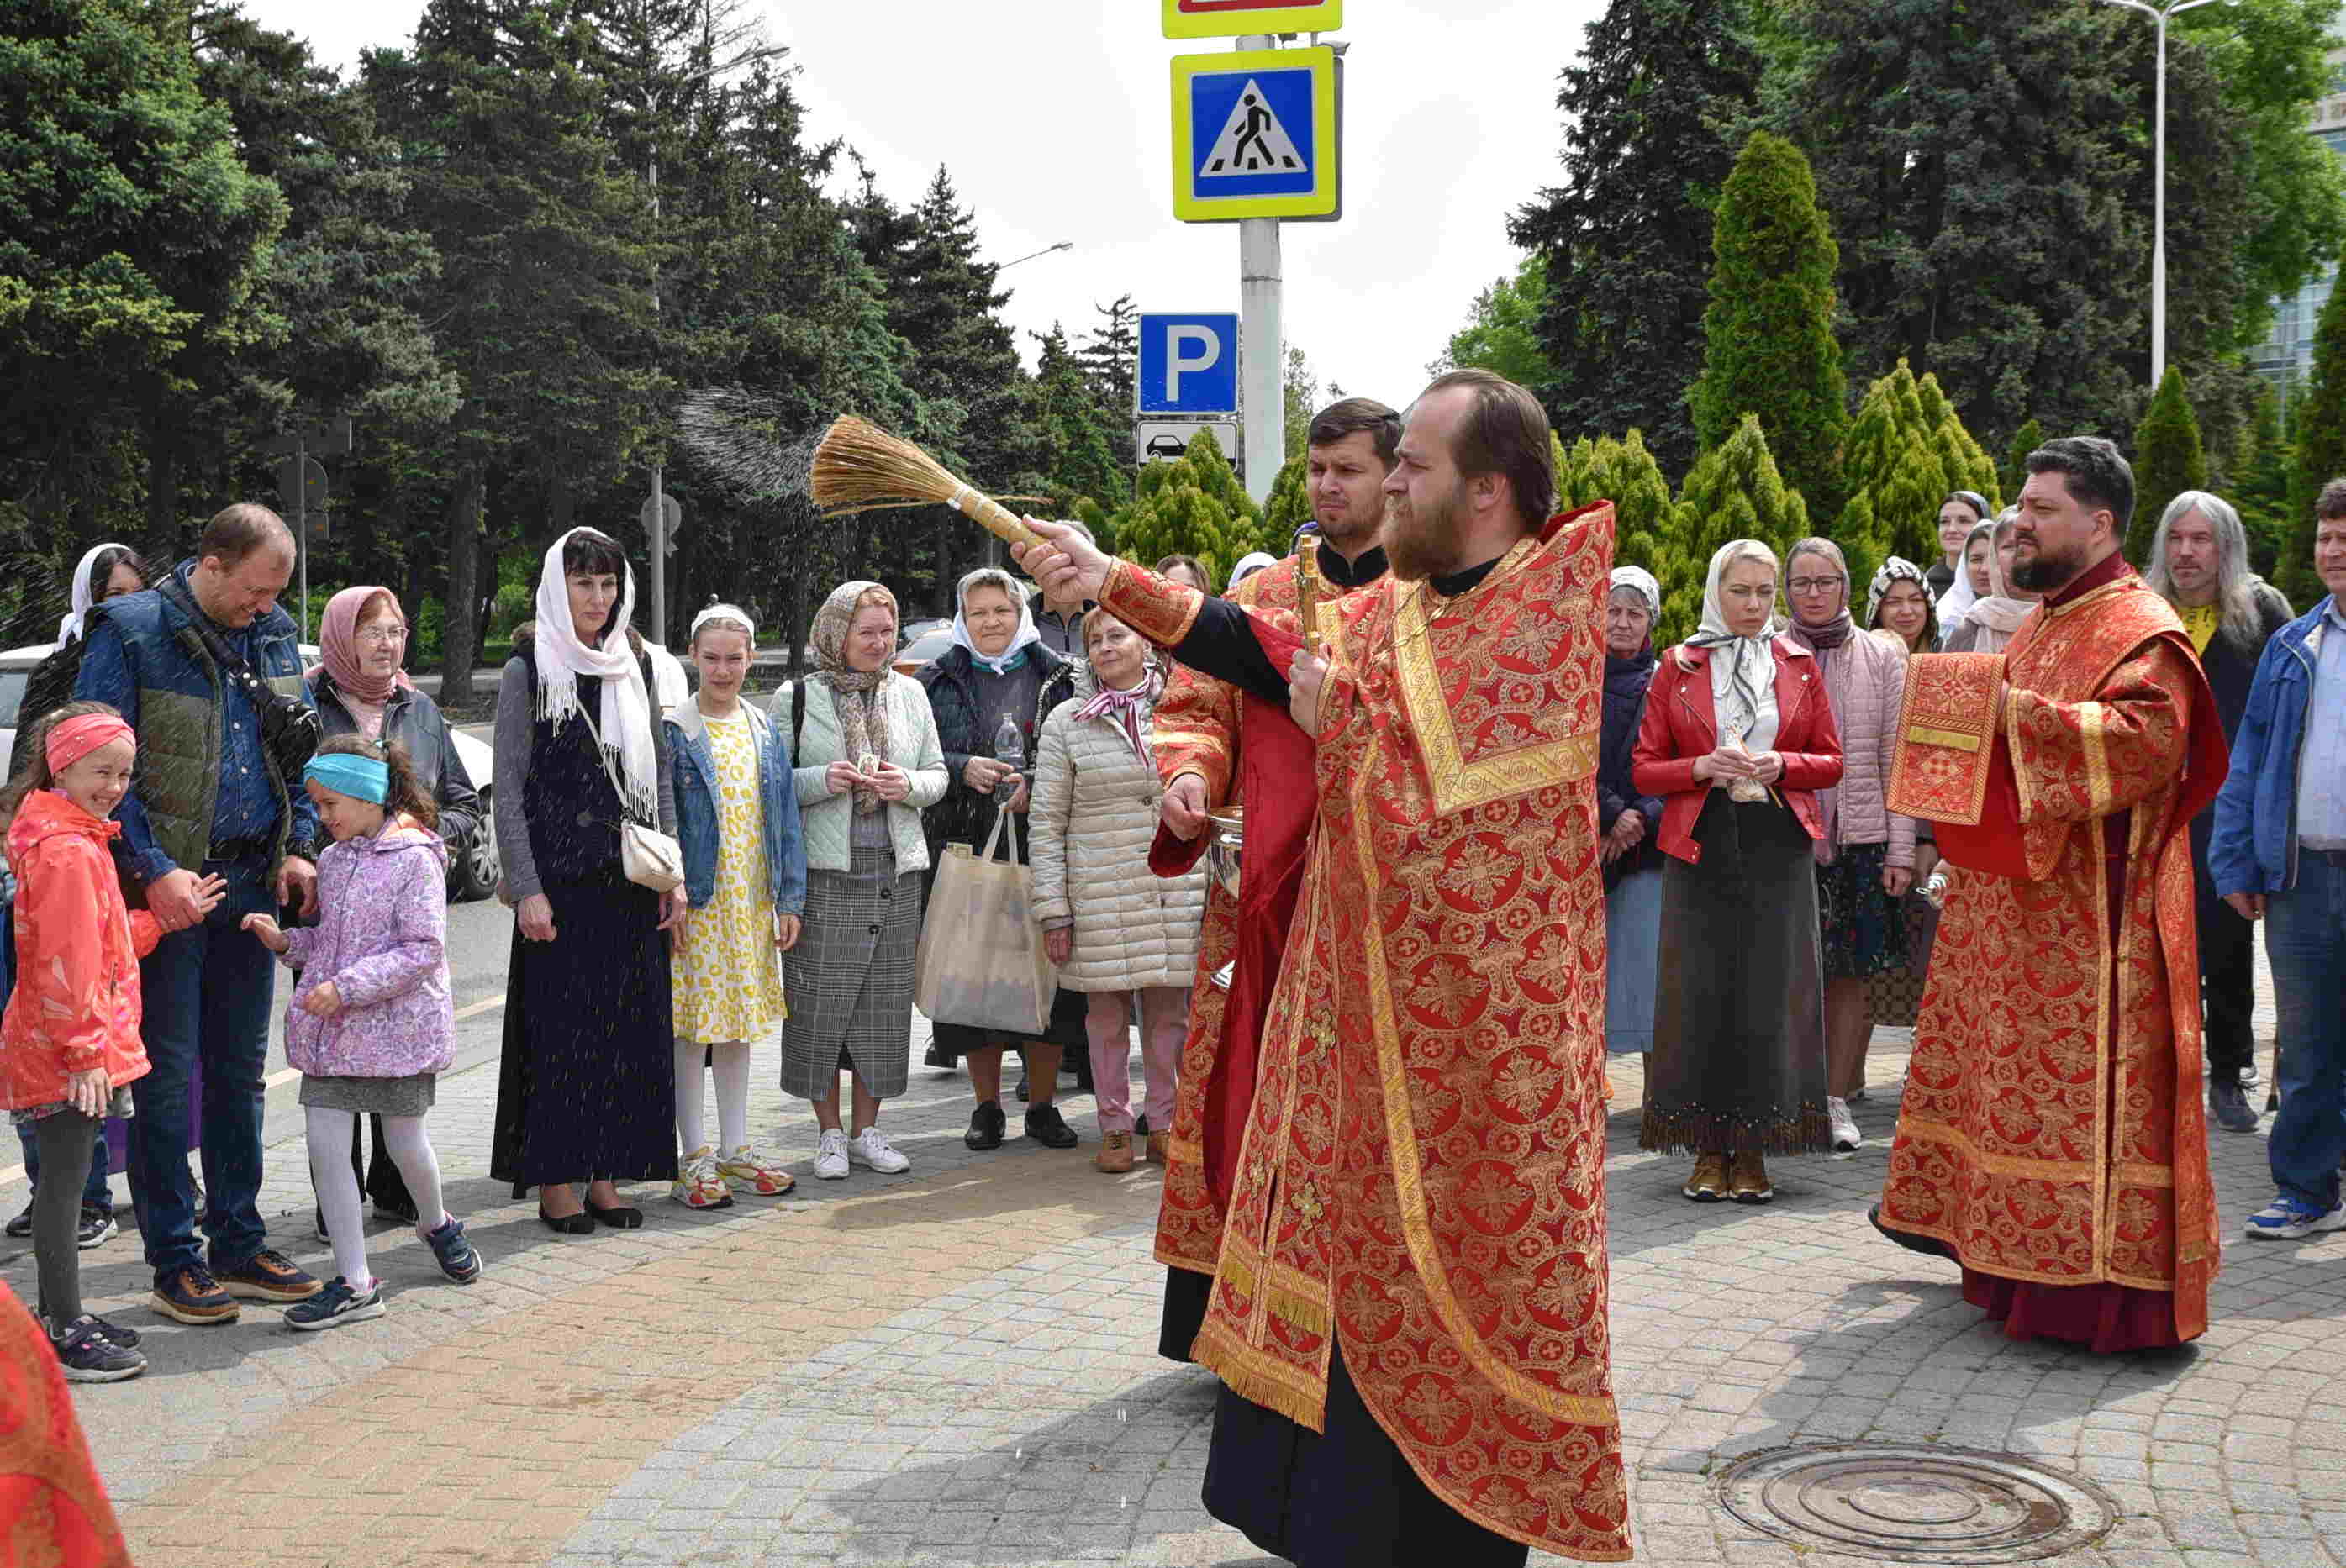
[958, 1367]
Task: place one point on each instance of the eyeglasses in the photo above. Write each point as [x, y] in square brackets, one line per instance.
[383, 636]
[1813, 585]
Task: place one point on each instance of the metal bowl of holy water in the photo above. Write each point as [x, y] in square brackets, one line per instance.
[1222, 851]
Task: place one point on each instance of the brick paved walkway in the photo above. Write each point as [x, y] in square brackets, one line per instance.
[958, 1367]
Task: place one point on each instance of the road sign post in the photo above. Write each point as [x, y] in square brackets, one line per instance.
[1164, 441]
[662, 539]
[1188, 363]
[302, 489]
[1235, 18]
[1255, 135]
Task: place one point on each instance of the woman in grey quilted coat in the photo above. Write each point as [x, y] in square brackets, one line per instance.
[1118, 932]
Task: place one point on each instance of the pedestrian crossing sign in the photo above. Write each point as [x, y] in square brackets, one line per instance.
[1235, 18]
[1255, 135]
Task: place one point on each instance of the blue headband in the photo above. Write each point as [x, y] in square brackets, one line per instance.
[360, 777]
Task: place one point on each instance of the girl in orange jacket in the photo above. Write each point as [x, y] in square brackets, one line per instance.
[70, 1041]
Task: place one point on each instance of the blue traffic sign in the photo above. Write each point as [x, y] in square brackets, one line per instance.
[1190, 363]
[1255, 135]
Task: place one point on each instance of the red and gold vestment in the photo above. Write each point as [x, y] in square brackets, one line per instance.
[1423, 1172]
[2054, 1130]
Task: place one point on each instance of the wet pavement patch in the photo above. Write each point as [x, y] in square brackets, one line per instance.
[1916, 1503]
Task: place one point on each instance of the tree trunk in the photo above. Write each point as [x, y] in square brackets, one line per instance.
[458, 630]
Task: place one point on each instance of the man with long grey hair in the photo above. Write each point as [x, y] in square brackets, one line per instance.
[2199, 563]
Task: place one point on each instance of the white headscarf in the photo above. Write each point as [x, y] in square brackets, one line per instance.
[1960, 596]
[994, 577]
[1252, 561]
[1750, 662]
[1998, 615]
[1640, 582]
[69, 628]
[624, 716]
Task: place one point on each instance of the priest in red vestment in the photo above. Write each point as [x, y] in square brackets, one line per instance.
[54, 1511]
[1409, 1303]
[1220, 747]
[2053, 1137]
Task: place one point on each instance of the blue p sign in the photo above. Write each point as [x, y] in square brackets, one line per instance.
[1188, 363]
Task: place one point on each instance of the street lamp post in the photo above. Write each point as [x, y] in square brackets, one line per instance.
[1047, 250]
[658, 530]
[2159, 16]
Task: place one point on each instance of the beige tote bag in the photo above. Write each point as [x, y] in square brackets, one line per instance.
[981, 962]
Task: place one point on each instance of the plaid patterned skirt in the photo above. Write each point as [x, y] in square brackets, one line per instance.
[849, 982]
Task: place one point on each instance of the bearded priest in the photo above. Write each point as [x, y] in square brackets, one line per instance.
[2053, 1137]
[1408, 1308]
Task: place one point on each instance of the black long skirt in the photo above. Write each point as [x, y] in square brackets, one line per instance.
[1345, 1498]
[1187, 1293]
[588, 1089]
[1739, 1059]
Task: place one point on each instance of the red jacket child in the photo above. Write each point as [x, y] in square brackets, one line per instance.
[75, 1005]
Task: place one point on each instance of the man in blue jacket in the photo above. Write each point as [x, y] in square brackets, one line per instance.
[2279, 853]
[208, 801]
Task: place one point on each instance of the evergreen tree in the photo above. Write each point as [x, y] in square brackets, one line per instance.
[1735, 492]
[1625, 236]
[2167, 460]
[1287, 508]
[1905, 451]
[2026, 439]
[2320, 428]
[1084, 456]
[1111, 357]
[1624, 472]
[1302, 388]
[1770, 348]
[2261, 490]
[1194, 505]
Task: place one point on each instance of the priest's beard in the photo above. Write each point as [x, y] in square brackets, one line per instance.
[1423, 544]
[2044, 572]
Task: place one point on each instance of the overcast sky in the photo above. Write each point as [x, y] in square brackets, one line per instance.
[1054, 118]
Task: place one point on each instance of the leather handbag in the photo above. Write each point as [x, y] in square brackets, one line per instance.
[648, 857]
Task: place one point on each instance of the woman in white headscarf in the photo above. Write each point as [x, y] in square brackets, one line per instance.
[1250, 563]
[589, 1089]
[1737, 740]
[1992, 617]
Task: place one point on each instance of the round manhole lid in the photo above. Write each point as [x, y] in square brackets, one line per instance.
[1916, 1503]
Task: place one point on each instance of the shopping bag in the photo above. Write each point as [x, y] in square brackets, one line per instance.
[981, 962]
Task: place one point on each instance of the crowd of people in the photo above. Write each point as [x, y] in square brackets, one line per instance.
[1966, 843]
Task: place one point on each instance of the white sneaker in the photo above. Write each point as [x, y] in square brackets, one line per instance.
[1846, 1139]
[830, 1158]
[871, 1147]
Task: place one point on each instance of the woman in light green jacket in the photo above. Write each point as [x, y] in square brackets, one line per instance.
[867, 763]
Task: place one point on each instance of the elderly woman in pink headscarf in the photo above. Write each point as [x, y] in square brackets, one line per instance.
[361, 685]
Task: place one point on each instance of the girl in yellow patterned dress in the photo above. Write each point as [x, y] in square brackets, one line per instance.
[737, 815]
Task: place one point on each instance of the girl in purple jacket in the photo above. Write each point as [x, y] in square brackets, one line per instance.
[370, 1022]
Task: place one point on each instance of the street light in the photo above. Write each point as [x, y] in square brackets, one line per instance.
[1061, 245]
[2160, 17]
[658, 530]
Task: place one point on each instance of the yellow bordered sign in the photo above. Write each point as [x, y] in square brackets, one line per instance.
[1236, 18]
[1255, 135]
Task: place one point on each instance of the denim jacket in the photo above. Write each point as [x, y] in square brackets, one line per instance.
[695, 770]
[2253, 849]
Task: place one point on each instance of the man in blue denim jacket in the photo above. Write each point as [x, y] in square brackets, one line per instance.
[207, 800]
[2279, 853]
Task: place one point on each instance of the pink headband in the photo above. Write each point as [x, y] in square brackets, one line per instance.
[79, 736]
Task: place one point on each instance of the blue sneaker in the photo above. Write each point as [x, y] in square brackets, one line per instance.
[334, 1306]
[459, 1259]
[2286, 1219]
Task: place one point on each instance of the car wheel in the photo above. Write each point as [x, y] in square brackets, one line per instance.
[475, 874]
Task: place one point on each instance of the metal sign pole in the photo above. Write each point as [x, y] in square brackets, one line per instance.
[1263, 353]
[301, 525]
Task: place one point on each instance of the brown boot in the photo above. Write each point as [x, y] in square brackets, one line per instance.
[1709, 1182]
[1161, 1148]
[1115, 1158]
[1749, 1178]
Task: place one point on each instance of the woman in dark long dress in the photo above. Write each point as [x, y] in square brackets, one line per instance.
[998, 668]
[1738, 737]
[361, 688]
[588, 1087]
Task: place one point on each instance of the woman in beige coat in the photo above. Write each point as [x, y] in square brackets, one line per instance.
[1115, 929]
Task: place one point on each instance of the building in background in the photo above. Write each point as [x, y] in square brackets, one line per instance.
[2286, 357]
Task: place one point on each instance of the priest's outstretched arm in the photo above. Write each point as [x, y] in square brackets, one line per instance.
[2077, 760]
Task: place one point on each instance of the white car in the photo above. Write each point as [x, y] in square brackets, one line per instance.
[471, 875]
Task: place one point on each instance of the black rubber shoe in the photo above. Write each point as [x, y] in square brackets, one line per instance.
[986, 1125]
[1048, 1128]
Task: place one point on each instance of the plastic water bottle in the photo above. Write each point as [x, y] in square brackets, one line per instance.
[1009, 746]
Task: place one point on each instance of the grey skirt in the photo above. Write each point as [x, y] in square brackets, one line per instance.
[409, 1096]
[849, 982]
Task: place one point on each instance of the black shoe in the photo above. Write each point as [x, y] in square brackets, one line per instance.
[1021, 1090]
[936, 1056]
[1140, 1125]
[1050, 1129]
[125, 1338]
[580, 1224]
[96, 1226]
[1928, 1246]
[22, 1225]
[2229, 1103]
[619, 1217]
[87, 1353]
[987, 1124]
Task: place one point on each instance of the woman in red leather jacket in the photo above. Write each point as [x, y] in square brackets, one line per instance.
[1737, 737]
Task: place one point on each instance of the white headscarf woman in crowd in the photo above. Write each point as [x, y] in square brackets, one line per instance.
[105, 571]
[1024, 637]
[611, 659]
[1996, 614]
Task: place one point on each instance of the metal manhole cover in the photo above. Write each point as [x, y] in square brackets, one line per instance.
[1916, 1503]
